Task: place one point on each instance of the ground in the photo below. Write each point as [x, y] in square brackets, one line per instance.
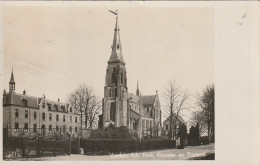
[188, 152]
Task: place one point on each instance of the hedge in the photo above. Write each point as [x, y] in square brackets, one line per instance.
[115, 146]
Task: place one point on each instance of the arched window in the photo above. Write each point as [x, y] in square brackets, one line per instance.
[16, 126]
[16, 113]
[113, 75]
[122, 78]
[35, 115]
[26, 114]
[50, 128]
[76, 129]
[70, 129]
[43, 116]
[113, 111]
[110, 92]
[76, 119]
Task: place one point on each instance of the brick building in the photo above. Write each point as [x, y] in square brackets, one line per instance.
[30, 116]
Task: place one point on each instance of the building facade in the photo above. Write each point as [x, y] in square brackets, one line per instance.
[140, 114]
[30, 116]
[177, 122]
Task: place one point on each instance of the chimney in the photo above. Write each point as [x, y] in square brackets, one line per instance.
[58, 99]
[24, 92]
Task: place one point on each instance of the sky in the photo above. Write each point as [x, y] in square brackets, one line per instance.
[54, 49]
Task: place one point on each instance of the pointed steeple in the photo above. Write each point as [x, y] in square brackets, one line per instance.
[137, 90]
[12, 77]
[12, 83]
[116, 55]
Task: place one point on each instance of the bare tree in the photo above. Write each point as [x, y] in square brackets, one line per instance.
[88, 104]
[198, 119]
[176, 100]
[207, 104]
[93, 112]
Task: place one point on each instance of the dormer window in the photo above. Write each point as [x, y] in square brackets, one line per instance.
[25, 102]
[56, 107]
[43, 105]
[70, 109]
[63, 108]
[49, 107]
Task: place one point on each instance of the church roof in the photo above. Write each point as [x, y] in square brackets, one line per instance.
[116, 55]
[148, 100]
[134, 115]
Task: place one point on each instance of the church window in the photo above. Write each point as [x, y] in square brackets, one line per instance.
[121, 78]
[110, 92]
[113, 111]
[117, 46]
[43, 116]
[113, 75]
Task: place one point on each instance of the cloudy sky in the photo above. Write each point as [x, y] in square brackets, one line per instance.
[53, 49]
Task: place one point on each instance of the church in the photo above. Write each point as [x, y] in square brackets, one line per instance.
[140, 114]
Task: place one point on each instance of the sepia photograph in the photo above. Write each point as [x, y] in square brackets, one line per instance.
[108, 82]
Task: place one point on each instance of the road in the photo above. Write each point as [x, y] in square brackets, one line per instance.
[168, 154]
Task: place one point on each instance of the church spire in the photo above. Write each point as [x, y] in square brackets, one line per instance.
[116, 55]
[137, 90]
[12, 83]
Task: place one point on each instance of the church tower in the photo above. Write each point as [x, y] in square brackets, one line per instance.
[12, 83]
[115, 90]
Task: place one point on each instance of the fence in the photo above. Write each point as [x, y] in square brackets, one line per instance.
[17, 147]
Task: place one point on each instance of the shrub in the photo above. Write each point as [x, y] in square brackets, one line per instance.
[108, 146]
[204, 140]
[112, 132]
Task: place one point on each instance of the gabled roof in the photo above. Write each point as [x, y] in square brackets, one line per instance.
[148, 100]
[20, 100]
[56, 106]
[174, 118]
